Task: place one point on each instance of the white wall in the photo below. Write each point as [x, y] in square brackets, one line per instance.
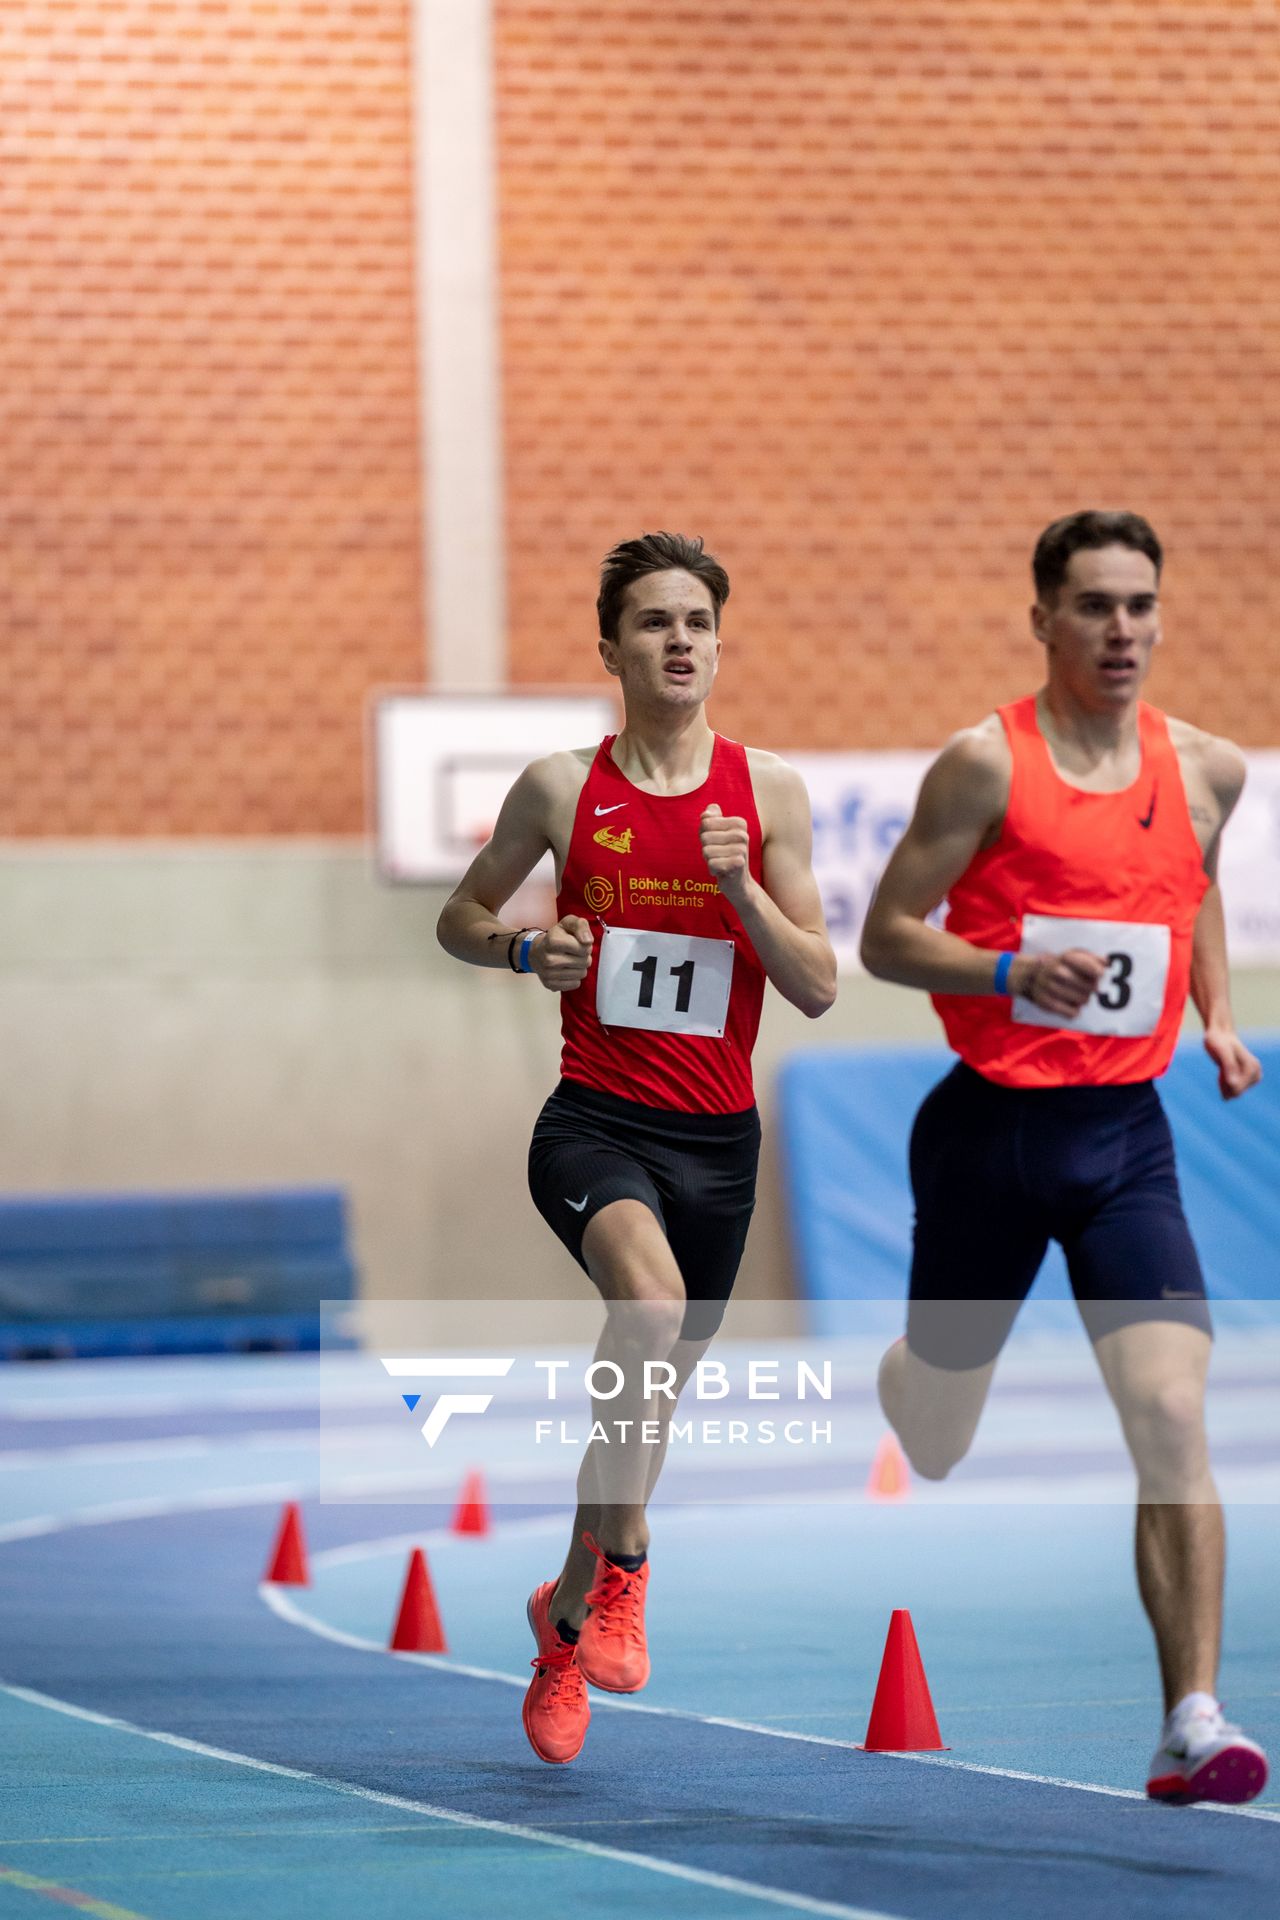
[187, 1015]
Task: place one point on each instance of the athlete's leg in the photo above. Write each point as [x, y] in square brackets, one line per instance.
[708, 1193]
[1155, 1373]
[977, 1246]
[594, 1168]
[933, 1410]
[588, 1183]
[629, 1259]
[1140, 1291]
[682, 1360]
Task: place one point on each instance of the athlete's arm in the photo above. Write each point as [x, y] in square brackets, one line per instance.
[960, 809]
[1222, 767]
[783, 918]
[469, 927]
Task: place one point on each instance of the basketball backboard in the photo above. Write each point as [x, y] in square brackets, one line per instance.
[443, 762]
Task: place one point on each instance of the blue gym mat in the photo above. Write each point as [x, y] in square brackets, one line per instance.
[845, 1118]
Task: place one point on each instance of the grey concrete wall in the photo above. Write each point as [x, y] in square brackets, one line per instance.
[190, 1015]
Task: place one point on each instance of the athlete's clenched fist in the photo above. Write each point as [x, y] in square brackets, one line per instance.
[726, 847]
[561, 957]
[1062, 982]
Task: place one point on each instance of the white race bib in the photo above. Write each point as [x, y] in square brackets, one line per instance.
[1130, 998]
[664, 982]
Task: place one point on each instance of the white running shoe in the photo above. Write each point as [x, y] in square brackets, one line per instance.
[1203, 1757]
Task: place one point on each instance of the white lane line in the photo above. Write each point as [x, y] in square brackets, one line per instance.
[1117, 1793]
[107, 1453]
[507, 1830]
[150, 1509]
[186, 1446]
[288, 1610]
[274, 1829]
[281, 1603]
[265, 1493]
[303, 1399]
[1241, 1486]
[557, 1522]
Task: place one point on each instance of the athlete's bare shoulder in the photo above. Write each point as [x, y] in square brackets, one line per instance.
[782, 798]
[550, 788]
[770, 770]
[556, 772]
[966, 790]
[980, 750]
[1208, 759]
[975, 764]
[557, 779]
[983, 744]
[761, 761]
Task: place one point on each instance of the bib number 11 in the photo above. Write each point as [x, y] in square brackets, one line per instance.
[663, 982]
[648, 971]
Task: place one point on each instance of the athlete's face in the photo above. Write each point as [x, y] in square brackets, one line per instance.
[667, 647]
[1101, 625]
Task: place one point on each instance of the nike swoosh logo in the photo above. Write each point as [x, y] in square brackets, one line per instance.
[613, 809]
[578, 1205]
[1145, 820]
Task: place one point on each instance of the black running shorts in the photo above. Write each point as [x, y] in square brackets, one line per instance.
[696, 1172]
[998, 1172]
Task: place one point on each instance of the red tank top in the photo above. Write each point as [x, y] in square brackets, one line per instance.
[668, 1012]
[1119, 874]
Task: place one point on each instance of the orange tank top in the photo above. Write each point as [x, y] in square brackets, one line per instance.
[1119, 874]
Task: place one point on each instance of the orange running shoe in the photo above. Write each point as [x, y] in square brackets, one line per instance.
[555, 1711]
[611, 1647]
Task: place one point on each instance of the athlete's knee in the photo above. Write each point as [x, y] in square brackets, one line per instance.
[934, 1438]
[933, 1444]
[933, 1455]
[1173, 1407]
[645, 1313]
[1166, 1428]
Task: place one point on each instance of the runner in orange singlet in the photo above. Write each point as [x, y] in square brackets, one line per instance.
[1075, 837]
[684, 883]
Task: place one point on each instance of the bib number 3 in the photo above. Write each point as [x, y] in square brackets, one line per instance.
[663, 982]
[1129, 999]
[1115, 993]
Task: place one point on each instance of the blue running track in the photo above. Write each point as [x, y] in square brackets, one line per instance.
[181, 1747]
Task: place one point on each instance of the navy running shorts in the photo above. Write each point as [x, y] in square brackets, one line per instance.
[696, 1172]
[997, 1172]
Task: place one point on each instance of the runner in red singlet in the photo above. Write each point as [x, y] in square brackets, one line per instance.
[1075, 837]
[684, 882]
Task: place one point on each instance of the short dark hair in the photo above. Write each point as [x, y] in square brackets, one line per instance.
[655, 553]
[1091, 528]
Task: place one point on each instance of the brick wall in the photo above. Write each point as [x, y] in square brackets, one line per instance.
[867, 294]
[209, 447]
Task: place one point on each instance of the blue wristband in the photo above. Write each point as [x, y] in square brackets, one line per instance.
[522, 956]
[1003, 966]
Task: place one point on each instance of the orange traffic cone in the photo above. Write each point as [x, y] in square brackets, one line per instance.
[902, 1717]
[287, 1566]
[472, 1514]
[418, 1628]
[889, 1478]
